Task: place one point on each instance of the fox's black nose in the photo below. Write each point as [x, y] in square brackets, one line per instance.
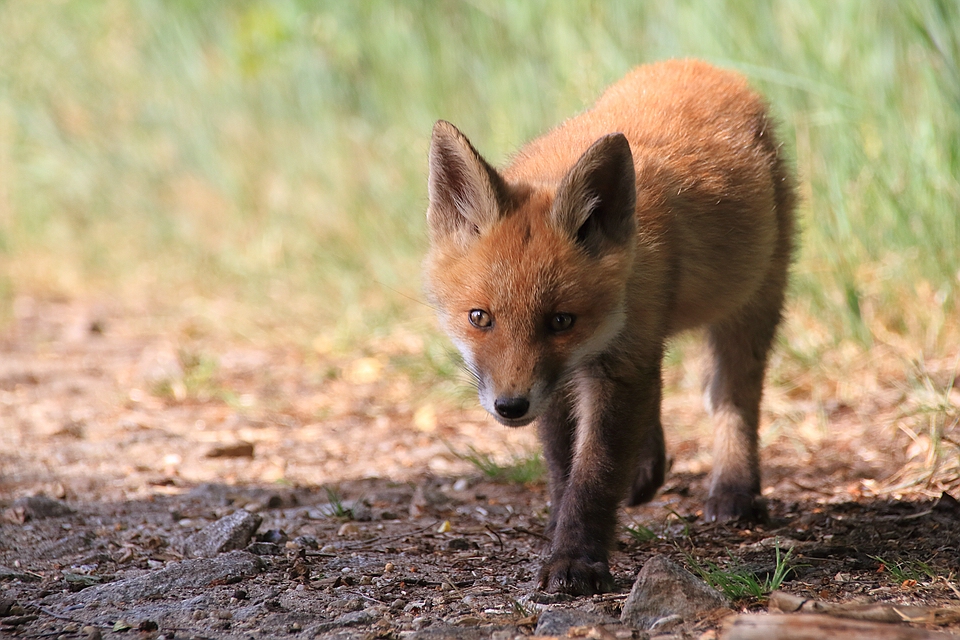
[511, 408]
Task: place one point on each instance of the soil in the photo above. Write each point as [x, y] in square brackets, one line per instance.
[141, 435]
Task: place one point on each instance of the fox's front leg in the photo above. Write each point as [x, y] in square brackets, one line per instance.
[613, 414]
[556, 429]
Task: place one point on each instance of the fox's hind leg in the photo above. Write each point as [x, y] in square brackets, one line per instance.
[651, 467]
[739, 346]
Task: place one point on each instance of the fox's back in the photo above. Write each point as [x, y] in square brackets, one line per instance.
[706, 167]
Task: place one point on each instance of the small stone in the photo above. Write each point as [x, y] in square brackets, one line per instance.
[273, 536]
[460, 544]
[226, 534]
[91, 633]
[663, 589]
[361, 512]
[461, 485]
[348, 529]
[147, 626]
[306, 542]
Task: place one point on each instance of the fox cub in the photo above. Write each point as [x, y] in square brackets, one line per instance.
[667, 206]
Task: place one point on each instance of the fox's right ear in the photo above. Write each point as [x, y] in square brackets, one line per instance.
[466, 193]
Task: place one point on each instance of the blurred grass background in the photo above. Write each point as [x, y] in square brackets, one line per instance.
[265, 161]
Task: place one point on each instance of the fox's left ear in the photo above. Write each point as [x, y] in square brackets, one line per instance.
[466, 193]
[595, 203]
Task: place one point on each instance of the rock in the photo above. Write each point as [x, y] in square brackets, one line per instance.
[7, 573]
[36, 508]
[361, 511]
[556, 622]
[188, 574]
[226, 534]
[349, 619]
[664, 588]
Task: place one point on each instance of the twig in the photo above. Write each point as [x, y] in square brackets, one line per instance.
[492, 531]
[365, 597]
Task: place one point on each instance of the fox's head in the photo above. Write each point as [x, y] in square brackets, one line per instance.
[529, 278]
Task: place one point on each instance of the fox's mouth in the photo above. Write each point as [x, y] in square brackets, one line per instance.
[514, 422]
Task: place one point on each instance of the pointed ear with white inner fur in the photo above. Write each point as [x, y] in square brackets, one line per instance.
[466, 193]
[595, 203]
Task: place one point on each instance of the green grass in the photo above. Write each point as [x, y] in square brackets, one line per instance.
[640, 533]
[907, 570]
[737, 583]
[336, 508]
[262, 163]
[528, 468]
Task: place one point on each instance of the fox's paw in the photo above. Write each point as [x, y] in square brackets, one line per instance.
[576, 576]
[740, 506]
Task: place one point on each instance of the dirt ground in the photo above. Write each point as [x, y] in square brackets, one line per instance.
[374, 526]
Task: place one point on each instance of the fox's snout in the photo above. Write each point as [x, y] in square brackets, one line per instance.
[511, 407]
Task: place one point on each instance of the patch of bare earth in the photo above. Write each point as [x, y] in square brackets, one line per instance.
[372, 526]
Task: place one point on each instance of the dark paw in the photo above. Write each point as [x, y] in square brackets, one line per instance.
[735, 505]
[576, 576]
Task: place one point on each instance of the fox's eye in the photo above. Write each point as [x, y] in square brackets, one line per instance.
[561, 322]
[480, 318]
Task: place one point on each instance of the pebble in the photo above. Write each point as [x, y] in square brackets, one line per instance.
[348, 529]
[664, 589]
[306, 542]
[91, 633]
[226, 534]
